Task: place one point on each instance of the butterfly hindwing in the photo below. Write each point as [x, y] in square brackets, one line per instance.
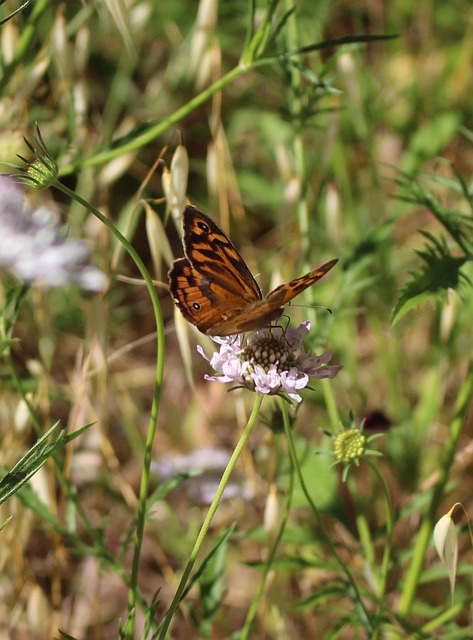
[198, 302]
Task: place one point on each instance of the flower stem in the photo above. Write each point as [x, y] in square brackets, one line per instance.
[269, 562]
[208, 518]
[412, 578]
[149, 132]
[353, 589]
[145, 475]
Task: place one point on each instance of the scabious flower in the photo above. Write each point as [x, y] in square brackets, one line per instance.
[41, 172]
[33, 248]
[350, 445]
[270, 361]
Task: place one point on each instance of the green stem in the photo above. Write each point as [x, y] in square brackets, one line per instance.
[152, 130]
[413, 573]
[382, 575]
[145, 475]
[269, 562]
[295, 108]
[354, 592]
[330, 404]
[208, 518]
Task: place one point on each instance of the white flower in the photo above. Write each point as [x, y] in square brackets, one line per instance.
[269, 363]
[32, 247]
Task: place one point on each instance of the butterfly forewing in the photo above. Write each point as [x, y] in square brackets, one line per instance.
[213, 255]
[286, 292]
[215, 290]
[262, 313]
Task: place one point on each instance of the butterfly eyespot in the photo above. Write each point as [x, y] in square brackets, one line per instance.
[196, 306]
[203, 227]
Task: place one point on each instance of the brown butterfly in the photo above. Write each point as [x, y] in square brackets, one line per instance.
[213, 287]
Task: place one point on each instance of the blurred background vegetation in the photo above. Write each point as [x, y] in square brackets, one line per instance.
[347, 151]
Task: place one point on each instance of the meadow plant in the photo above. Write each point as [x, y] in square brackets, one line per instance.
[268, 363]
[139, 499]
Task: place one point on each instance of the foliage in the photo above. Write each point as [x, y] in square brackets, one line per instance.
[309, 135]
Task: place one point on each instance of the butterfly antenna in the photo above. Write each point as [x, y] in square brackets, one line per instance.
[312, 306]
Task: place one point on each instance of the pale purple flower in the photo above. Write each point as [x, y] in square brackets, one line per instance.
[209, 463]
[270, 361]
[33, 248]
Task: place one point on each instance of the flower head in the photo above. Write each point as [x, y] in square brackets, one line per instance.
[43, 170]
[32, 246]
[350, 445]
[269, 363]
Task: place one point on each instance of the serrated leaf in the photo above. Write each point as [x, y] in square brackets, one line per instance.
[439, 273]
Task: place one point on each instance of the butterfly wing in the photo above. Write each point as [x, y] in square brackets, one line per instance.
[213, 255]
[199, 302]
[285, 292]
[262, 313]
[212, 284]
[215, 290]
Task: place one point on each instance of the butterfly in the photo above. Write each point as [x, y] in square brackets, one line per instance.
[215, 290]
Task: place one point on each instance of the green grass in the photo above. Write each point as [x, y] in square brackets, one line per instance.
[358, 149]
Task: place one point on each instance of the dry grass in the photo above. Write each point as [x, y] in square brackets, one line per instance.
[299, 172]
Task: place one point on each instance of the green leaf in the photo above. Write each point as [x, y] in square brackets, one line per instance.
[221, 541]
[66, 636]
[34, 459]
[315, 464]
[336, 42]
[430, 139]
[14, 13]
[440, 272]
[321, 595]
[210, 578]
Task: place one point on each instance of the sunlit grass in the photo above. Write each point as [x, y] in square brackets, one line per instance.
[358, 151]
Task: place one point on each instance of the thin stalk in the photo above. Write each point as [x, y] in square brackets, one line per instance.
[152, 423]
[269, 562]
[152, 130]
[330, 404]
[208, 518]
[382, 575]
[414, 570]
[295, 108]
[354, 591]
